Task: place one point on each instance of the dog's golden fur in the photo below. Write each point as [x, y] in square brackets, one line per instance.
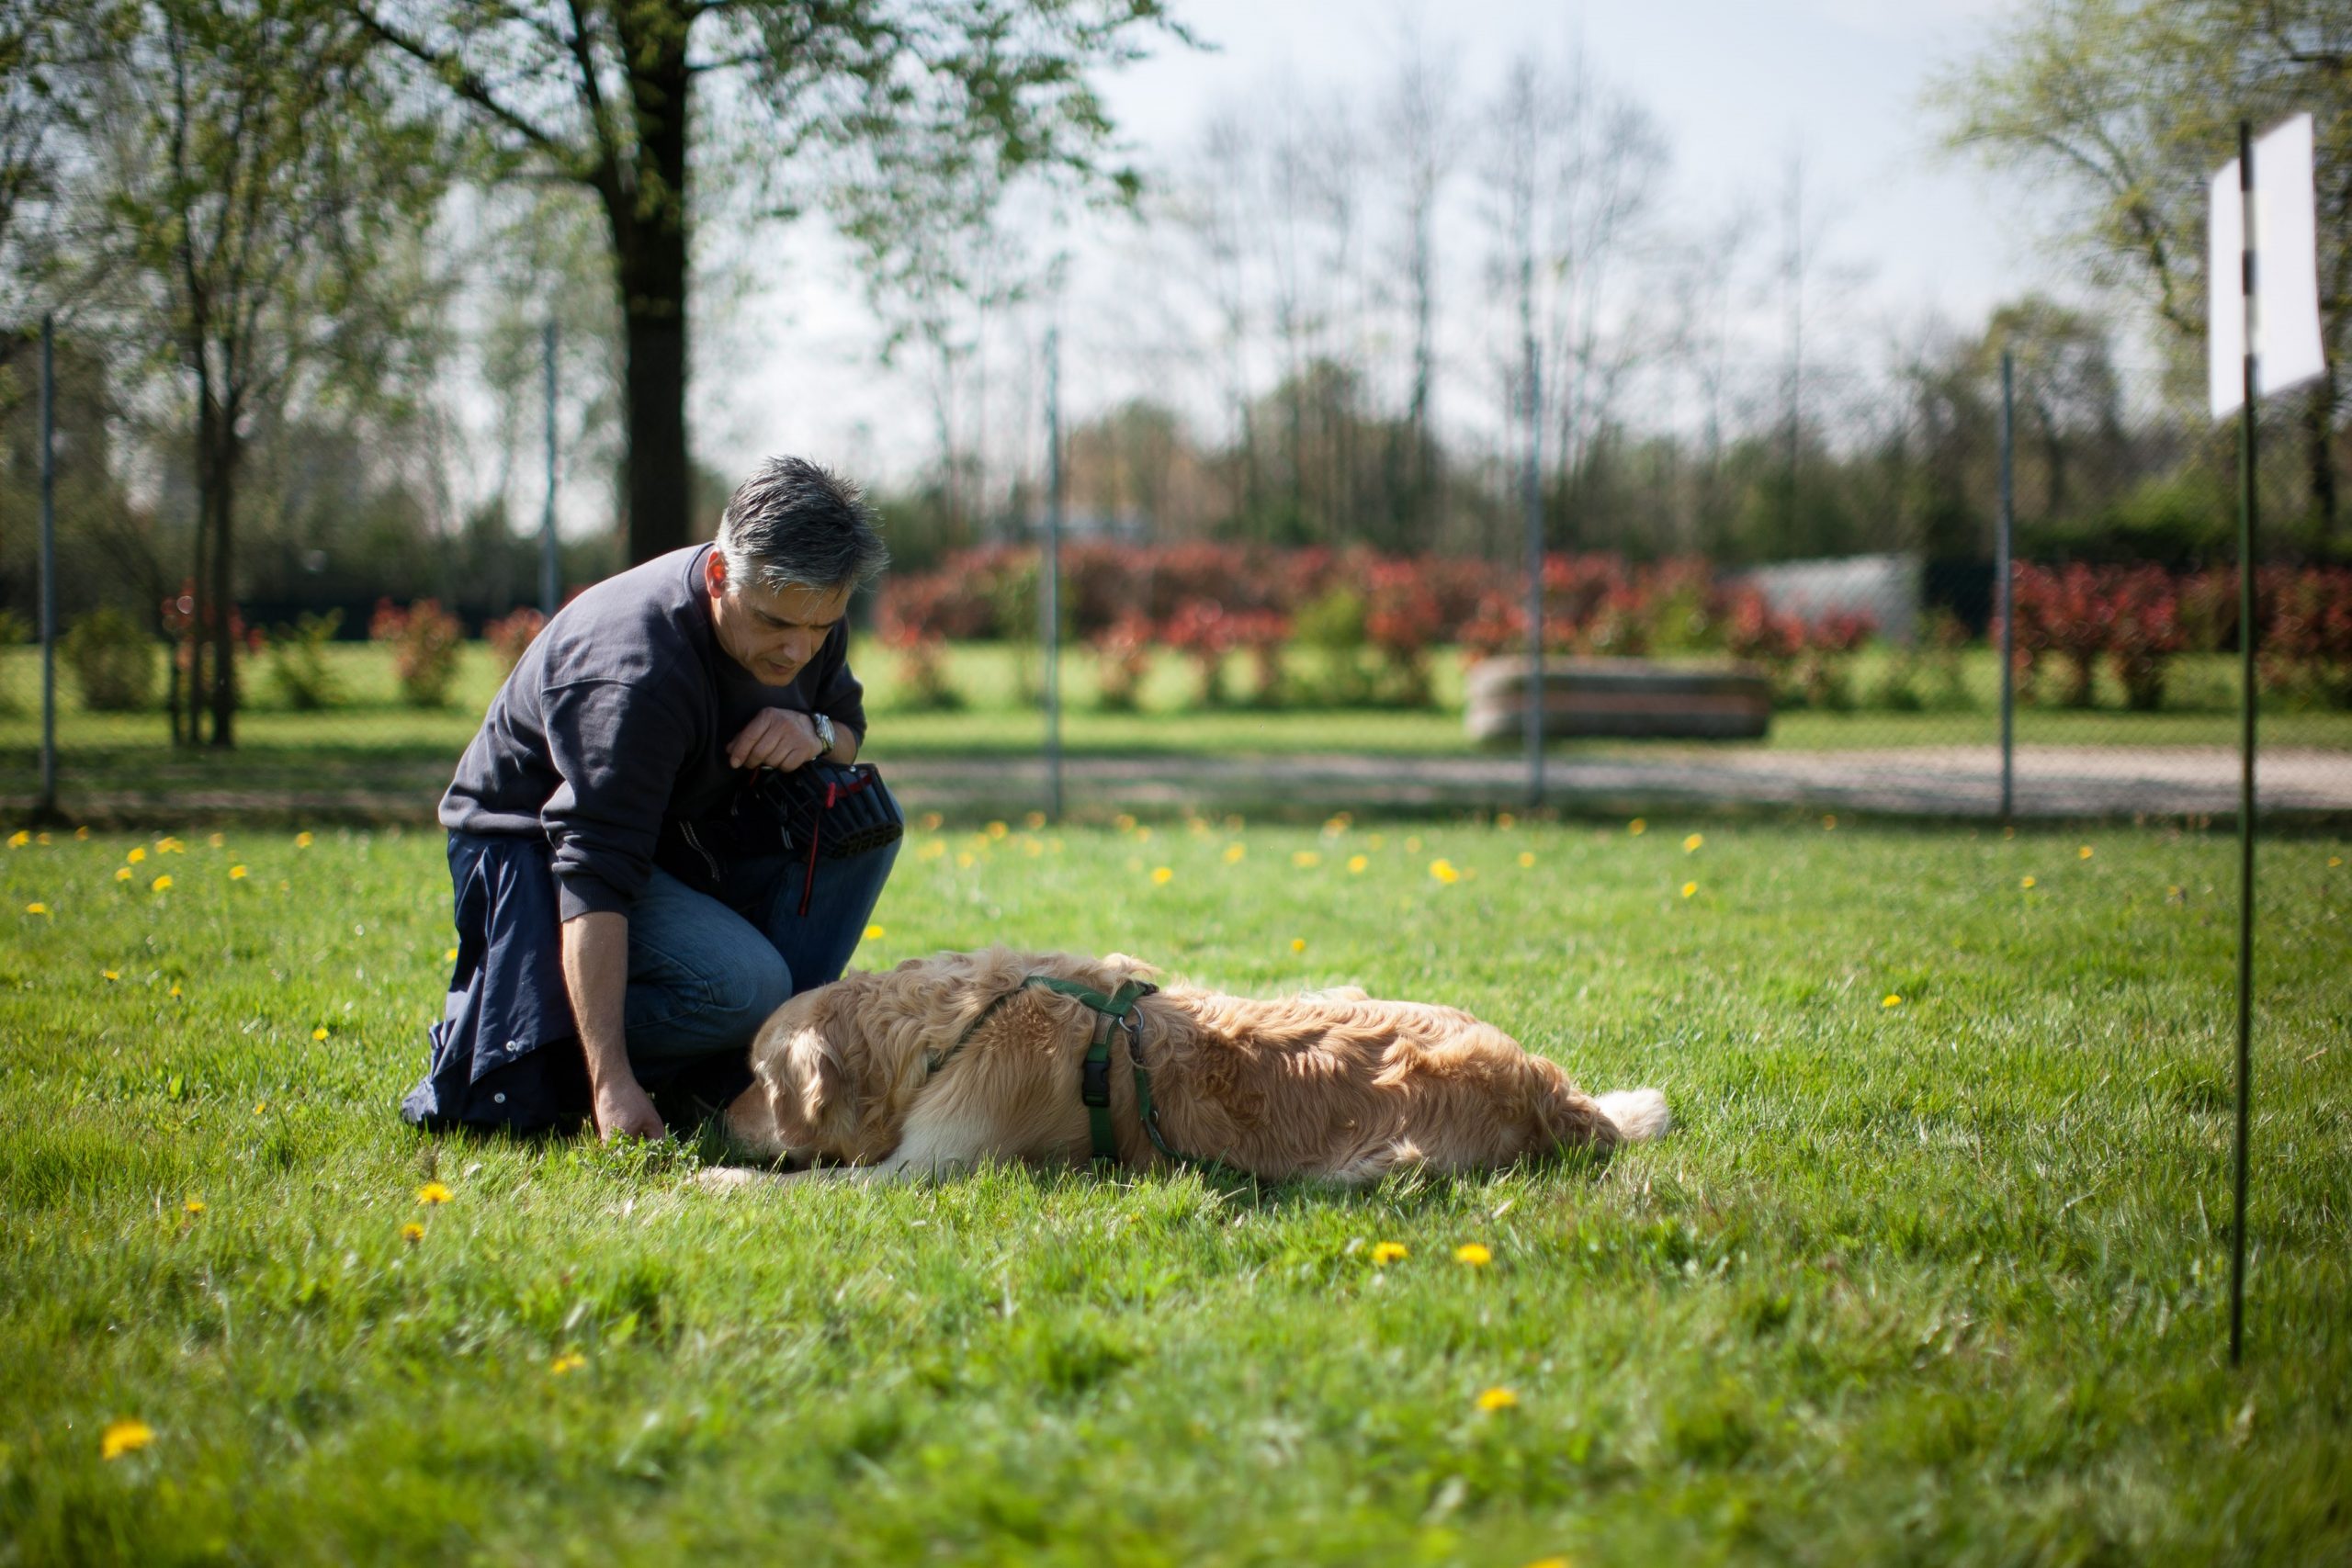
[1330, 1084]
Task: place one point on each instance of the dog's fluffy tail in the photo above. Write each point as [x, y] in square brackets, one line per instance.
[1640, 1113]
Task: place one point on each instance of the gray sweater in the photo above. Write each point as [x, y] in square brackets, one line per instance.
[618, 717]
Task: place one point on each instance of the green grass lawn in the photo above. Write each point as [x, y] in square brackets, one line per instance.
[1935, 1279]
[370, 727]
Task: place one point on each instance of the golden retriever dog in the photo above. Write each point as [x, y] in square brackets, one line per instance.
[947, 1061]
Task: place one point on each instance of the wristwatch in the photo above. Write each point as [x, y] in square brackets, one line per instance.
[824, 734]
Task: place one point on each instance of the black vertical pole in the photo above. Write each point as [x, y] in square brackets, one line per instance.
[1049, 581]
[48, 807]
[2248, 636]
[2003, 569]
[550, 570]
[1533, 484]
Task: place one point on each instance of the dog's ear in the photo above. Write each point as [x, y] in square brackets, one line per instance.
[1129, 967]
[810, 1089]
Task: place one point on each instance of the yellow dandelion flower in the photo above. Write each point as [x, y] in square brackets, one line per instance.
[111, 974]
[432, 1192]
[175, 990]
[20, 838]
[1496, 1399]
[260, 1106]
[1034, 820]
[319, 1032]
[1475, 1254]
[192, 1206]
[1298, 945]
[932, 848]
[36, 909]
[875, 933]
[998, 829]
[41, 838]
[303, 841]
[1378, 840]
[930, 821]
[1691, 844]
[1690, 889]
[412, 1232]
[1637, 827]
[1386, 1252]
[2026, 882]
[1305, 860]
[449, 956]
[218, 840]
[1830, 824]
[1161, 875]
[137, 854]
[80, 834]
[1892, 999]
[170, 847]
[1337, 822]
[1143, 835]
[285, 886]
[1506, 822]
[1526, 858]
[570, 1361]
[1234, 854]
[125, 1436]
[1444, 871]
[1413, 845]
[2334, 861]
[1356, 865]
[1123, 823]
[1549, 1563]
[964, 861]
[122, 874]
[2083, 853]
[236, 874]
[161, 885]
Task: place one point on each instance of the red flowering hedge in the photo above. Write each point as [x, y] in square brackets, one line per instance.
[1207, 600]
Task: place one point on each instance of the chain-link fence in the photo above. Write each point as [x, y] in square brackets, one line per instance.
[1810, 616]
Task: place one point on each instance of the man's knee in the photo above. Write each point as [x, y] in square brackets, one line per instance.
[749, 991]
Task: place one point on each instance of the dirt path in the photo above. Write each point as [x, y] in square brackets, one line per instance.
[1960, 781]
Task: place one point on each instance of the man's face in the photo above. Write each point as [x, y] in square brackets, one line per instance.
[773, 635]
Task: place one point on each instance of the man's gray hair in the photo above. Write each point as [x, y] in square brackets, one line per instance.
[792, 525]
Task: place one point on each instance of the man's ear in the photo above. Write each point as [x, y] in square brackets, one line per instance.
[810, 1092]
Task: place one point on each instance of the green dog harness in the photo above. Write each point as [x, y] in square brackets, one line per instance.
[1116, 1011]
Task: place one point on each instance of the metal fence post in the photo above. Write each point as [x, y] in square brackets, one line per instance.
[2003, 571]
[47, 810]
[1049, 580]
[551, 575]
[2248, 495]
[1532, 482]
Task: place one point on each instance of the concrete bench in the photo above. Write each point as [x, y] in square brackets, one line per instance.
[1620, 698]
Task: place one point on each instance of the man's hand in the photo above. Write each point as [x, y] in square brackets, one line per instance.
[624, 1111]
[776, 738]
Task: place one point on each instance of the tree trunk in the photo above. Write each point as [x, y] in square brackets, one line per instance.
[648, 211]
[219, 505]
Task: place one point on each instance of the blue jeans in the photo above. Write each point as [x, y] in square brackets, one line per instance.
[705, 972]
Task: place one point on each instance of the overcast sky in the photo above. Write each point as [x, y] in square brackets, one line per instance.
[1739, 85]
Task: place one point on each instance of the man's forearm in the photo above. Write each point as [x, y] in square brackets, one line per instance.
[595, 975]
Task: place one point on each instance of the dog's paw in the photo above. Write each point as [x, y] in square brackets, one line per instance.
[737, 1178]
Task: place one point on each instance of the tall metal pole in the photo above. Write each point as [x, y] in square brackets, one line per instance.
[2248, 634]
[1049, 581]
[48, 807]
[550, 582]
[1533, 496]
[2003, 569]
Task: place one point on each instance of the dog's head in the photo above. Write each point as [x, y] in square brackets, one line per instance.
[822, 1091]
[838, 1067]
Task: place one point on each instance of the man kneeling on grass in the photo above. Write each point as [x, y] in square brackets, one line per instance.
[603, 955]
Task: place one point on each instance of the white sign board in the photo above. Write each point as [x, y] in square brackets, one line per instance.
[2286, 272]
